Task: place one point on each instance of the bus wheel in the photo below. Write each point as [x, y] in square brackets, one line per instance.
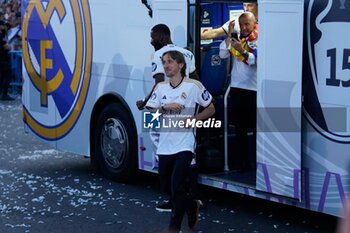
[116, 143]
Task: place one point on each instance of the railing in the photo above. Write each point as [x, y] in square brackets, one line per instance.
[16, 69]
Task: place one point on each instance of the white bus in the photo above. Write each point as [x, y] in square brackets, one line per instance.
[87, 62]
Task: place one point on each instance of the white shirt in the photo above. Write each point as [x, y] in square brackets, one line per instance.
[243, 75]
[226, 25]
[157, 65]
[190, 93]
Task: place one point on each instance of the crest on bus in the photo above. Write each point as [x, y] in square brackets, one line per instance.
[327, 84]
[57, 54]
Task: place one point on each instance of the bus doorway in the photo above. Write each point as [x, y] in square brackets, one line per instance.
[271, 152]
[217, 154]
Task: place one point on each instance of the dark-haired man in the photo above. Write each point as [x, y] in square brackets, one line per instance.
[161, 41]
[176, 147]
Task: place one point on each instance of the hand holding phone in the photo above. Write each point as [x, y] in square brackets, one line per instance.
[234, 35]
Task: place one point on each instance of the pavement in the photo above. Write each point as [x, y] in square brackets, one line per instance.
[46, 190]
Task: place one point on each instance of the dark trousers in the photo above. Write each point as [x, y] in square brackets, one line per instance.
[176, 169]
[5, 79]
[243, 115]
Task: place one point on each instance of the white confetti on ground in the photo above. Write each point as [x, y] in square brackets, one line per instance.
[3, 208]
[31, 157]
[46, 152]
[18, 225]
[39, 154]
[4, 172]
[39, 199]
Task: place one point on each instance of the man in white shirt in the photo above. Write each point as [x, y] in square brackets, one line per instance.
[179, 97]
[224, 29]
[243, 88]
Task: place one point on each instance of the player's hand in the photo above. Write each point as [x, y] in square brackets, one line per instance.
[237, 45]
[140, 104]
[173, 107]
[231, 26]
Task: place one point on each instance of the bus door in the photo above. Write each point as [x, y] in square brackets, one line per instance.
[279, 97]
[174, 14]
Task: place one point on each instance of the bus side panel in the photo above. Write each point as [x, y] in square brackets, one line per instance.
[101, 48]
[121, 62]
[326, 142]
[279, 98]
[174, 14]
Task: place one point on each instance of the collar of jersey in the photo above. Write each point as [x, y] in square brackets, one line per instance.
[177, 84]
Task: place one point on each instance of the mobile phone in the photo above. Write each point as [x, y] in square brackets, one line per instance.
[234, 35]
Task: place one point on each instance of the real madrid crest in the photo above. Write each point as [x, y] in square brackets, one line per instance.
[57, 54]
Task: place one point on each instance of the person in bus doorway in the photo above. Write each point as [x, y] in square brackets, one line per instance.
[161, 41]
[243, 89]
[179, 96]
[224, 29]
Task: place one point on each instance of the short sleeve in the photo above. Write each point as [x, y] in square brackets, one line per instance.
[225, 27]
[157, 65]
[189, 59]
[203, 96]
[192, 63]
[154, 100]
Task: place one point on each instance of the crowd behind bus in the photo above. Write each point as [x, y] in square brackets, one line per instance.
[10, 43]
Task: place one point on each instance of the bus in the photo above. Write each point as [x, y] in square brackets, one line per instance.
[87, 62]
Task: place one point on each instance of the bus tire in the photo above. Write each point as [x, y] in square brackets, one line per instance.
[116, 143]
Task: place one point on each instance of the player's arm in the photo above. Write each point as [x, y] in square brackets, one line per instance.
[213, 33]
[206, 113]
[157, 79]
[204, 98]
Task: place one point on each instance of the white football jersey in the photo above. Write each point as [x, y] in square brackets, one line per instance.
[190, 93]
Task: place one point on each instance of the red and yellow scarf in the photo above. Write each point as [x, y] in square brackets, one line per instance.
[249, 44]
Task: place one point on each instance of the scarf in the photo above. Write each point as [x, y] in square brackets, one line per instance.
[249, 44]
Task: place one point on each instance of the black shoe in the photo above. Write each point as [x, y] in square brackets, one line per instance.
[7, 97]
[164, 207]
[193, 213]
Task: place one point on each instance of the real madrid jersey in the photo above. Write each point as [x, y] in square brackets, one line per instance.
[189, 94]
[157, 65]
